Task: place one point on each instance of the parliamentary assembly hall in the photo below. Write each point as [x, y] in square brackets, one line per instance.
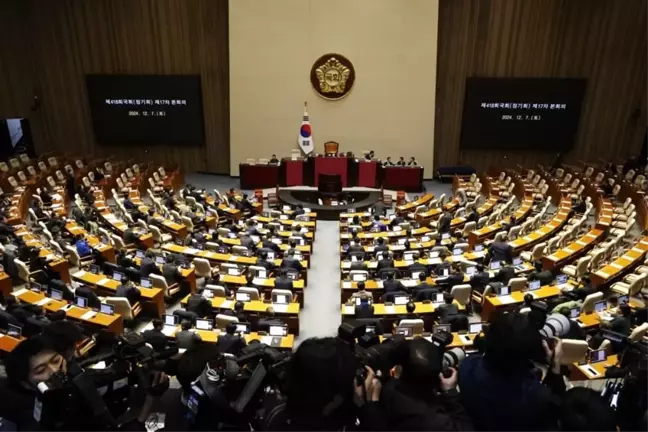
[323, 215]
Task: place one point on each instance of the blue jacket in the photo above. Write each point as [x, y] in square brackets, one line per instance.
[83, 248]
[508, 402]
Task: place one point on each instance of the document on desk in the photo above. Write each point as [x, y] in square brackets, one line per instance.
[347, 284]
[280, 308]
[88, 315]
[79, 274]
[266, 340]
[20, 292]
[350, 310]
[43, 302]
[390, 310]
[507, 299]
[103, 281]
[227, 304]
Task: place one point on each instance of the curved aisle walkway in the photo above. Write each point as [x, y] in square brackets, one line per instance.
[321, 313]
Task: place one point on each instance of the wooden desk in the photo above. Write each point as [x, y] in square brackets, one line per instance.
[107, 251]
[5, 284]
[304, 249]
[428, 216]
[112, 323]
[580, 373]
[311, 224]
[288, 313]
[101, 282]
[387, 234]
[546, 231]
[480, 235]
[621, 265]
[188, 274]
[58, 264]
[516, 298]
[211, 336]
[573, 251]
[8, 343]
[410, 206]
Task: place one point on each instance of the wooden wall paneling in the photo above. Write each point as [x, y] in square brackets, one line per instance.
[72, 38]
[603, 41]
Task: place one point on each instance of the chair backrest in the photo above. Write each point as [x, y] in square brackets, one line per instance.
[588, 303]
[52, 161]
[567, 178]
[582, 265]
[122, 306]
[331, 147]
[639, 332]
[222, 321]
[538, 250]
[118, 242]
[159, 282]
[15, 163]
[588, 172]
[129, 173]
[513, 232]
[22, 176]
[73, 256]
[500, 236]
[518, 284]
[156, 233]
[253, 292]
[162, 171]
[31, 170]
[416, 324]
[461, 293]
[218, 290]
[482, 221]
[287, 293]
[79, 163]
[23, 270]
[636, 285]
[469, 227]
[203, 268]
[211, 246]
[573, 351]
[51, 182]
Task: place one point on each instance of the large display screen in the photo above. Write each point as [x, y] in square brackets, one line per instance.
[146, 109]
[521, 113]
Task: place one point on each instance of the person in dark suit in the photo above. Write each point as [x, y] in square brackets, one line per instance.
[155, 337]
[170, 271]
[379, 224]
[124, 261]
[130, 237]
[131, 293]
[480, 279]
[185, 338]
[148, 266]
[283, 281]
[456, 276]
[401, 161]
[473, 216]
[380, 245]
[199, 305]
[506, 273]
[621, 324]
[359, 265]
[355, 246]
[238, 312]
[87, 292]
[230, 342]
[379, 208]
[510, 224]
[500, 251]
[544, 276]
[45, 196]
[585, 288]
[289, 261]
[386, 262]
[640, 315]
[417, 267]
[444, 222]
[423, 285]
[246, 241]
[392, 285]
[268, 244]
[412, 162]
[274, 160]
[263, 262]
[70, 185]
[448, 307]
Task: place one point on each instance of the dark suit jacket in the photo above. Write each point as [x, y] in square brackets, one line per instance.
[171, 274]
[284, 283]
[545, 277]
[425, 288]
[131, 293]
[130, 237]
[359, 265]
[499, 251]
[472, 217]
[380, 248]
[479, 281]
[389, 296]
[393, 286]
[447, 309]
[380, 208]
[417, 267]
[454, 279]
[385, 263]
[270, 245]
[147, 267]
[199, 305]
[291, 263]
[268, 265]
[93, 300]
[355, 248]
[504, 275]
[574, 332]
[247, 242]
[444, 223]
[229, 343]
[187, 339]
[156, 338]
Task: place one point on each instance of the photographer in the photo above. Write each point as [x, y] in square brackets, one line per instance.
[422, 398]
[505, 369]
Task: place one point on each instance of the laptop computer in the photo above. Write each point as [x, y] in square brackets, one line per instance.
[407, 331]
[475, 327]
[94, 269]
[241, 296]
[415, 275]
[280, 299]
[171, 320]
[359, 277]
[139, 254]
[471, 270]
[278, 330]
[574, 312]
[600, 306]
[159, 260]
[479, 248]
[36, 287]
[107, 309]
[445, 236]
[517, 263]
[233, 271]
[623, 299]
[359, 301]
[56, 294]
[505, 290]
[597, 356]
[495, 265]
[439, 298]
[118, 276]
[534, 285]
[243, 327]
[401, 299]
[442, 328]
[81, 301]
[14, 331]
[457, 251]
[204, 324]
[146, 283]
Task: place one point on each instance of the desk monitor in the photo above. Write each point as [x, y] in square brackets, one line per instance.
[36, 287]
[262, 273]
[623, 299]
[574, 312]
[534, 285]
[271, 255]
[171, 320]
[199, 246]
[370, 329]
[280, 299]
[475, 328]
[81, 301]
[457, 251]
[293, 275]
[505, 290]
[408, 256]
[561, 279]
[442, 328]
[471, 270]
[233, 271]
[278, 330]
[56, 294]
[479, 248]
[118, 276]
[445, 272]
[517, 261]
[362, 301]
[402, 241]
[139, 254]
[208, 293]
[407, 331]
[439, 298]
[597, 356]
[445, 236]
[243, 296]
[204, 324]
[94, 269]
[14, 331]
[358, 277]
[415, 275]
[495, 265]
[425, 239]
[401, 299]
[600, 306]
[146, 283]
[243, 327]
[159, 260]
[107, 309]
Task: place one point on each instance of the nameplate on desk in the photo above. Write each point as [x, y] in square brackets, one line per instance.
[103, 281]
[390, 309]
[227, 304]
[506, 299]
[79, 274]
[590, 371]
[43, 302]
[88, 315]
[527, 238]
[349, 310]
[569, 250]
[616, 266]
[280, 308]
[191, 251]
[347, 284]
[20, 292]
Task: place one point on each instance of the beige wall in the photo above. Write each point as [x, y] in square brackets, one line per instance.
[393, 47]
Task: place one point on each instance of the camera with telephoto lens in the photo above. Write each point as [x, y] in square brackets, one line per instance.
[96, 393]
[230, 392]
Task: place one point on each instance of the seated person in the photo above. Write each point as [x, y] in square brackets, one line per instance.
[299, 210]
[128, 204]
[401, 161]
[270, 319]
[479, 279]
[391, 285]
[387, 261]
[584, 288]
[148, 266]
[500, 251]
[412, 162]
[473, 216]
[238, 312]
[266, 243]
[82, 246]
[263, 262]
[274, 160]
[417, 267]
[158, 340]
[380, 245]
[388, 162]
[131, 293]
[355, 246]
[410, 307]
[45, 196]
[510, 224]
[130, 237]
[87, 292]
[170, 271]
[506, 273]
[379, 224]
[544, 276]
[282, 281]
[448, 307]
[38, 210]
[422, 285]
[289, 261]
[185, 338]
[358, 265]
[456, 277]
[199, 305]
[443, 226]
[230, 342]
[360, 293]
[124, 261]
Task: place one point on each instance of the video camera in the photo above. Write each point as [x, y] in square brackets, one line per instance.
[97, 397]
[230, 391]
